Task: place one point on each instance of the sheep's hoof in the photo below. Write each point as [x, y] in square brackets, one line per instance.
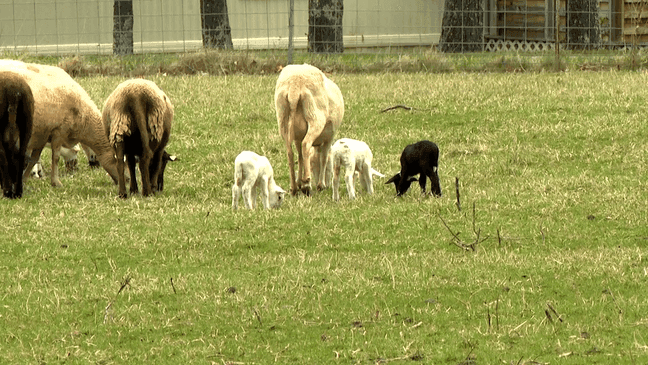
[306, 190]
[56, 184]
[123, 196]
[320, 187]
[294, 192]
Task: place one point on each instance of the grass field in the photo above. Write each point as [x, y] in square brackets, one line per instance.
[552, 172]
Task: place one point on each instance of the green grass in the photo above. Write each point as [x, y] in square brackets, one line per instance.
[352, 61]
[554, 165]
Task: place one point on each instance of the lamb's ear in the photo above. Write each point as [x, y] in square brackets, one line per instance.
[394, 179]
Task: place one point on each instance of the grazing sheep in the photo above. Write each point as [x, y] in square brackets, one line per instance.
[64, 115]
[418, 158]
[252, 172]
[70, 157]
[356, 157]
[16, 119]
[37, 170]
[137, 119]
[309, 110]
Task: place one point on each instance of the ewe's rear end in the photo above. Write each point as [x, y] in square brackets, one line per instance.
[137, 119]
[16, 119]
[309, 109]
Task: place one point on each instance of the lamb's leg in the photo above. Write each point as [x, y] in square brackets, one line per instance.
[366, 178]
[132, 171]
[121, 180]
[248, 185]
[265, 193]
[348, 178]
[56, 154]
[33, 157]
[236, 195]
[435, 187]
[336, 180]
[422, 180]
[93, 162]
[254, 196]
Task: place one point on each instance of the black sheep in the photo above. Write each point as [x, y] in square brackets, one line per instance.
[418, 158]
[16, 119]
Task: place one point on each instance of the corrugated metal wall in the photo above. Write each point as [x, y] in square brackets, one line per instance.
[85, 26]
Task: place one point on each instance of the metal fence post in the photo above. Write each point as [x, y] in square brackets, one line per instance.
[291, 31]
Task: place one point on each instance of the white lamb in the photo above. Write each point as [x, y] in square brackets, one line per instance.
[252, 172]
[356, 157]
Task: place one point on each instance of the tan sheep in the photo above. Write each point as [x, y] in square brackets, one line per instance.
[64, 115]
[309, 108]
[137, 119]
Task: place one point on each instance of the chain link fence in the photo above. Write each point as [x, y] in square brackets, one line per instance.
[70, 27]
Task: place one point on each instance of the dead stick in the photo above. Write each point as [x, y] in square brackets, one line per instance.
[396, 107]
[554, 312]
[449, 230]
[173, 286]
[457, 190]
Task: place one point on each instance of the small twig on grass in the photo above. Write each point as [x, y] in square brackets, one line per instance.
[125, 283]
[173, 286]
[396, 107]
[457, 241]
[457, 190]
[258, 317]
[497, 314]
[554, 312]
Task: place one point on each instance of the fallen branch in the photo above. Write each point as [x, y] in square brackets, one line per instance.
[457, 241]
[457, 190]
[401, 106]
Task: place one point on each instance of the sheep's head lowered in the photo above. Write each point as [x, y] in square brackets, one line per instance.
[420, 158]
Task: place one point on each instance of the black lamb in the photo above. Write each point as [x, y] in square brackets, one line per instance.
[418, 158]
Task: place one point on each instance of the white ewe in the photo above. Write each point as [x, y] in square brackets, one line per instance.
[309, 109]
[251, 173]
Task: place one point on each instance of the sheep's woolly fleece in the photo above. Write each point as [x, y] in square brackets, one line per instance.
[158, 107]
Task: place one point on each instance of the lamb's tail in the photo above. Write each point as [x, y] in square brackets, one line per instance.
[376, 173]
[238, 174]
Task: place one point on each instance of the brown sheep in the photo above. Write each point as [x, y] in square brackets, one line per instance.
[16, 118]
[309, 108]
[64, 115]
[137, 119]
